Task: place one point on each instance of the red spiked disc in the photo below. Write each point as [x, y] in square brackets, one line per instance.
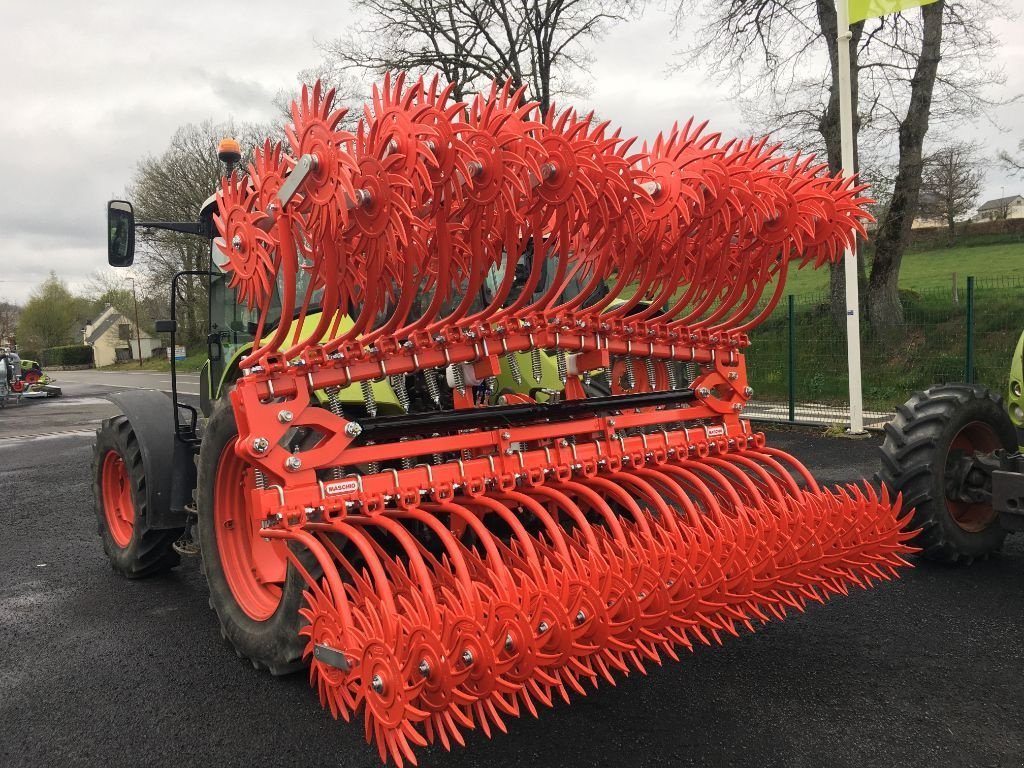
[244, 242]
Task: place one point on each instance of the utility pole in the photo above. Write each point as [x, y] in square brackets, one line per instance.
[138, 331]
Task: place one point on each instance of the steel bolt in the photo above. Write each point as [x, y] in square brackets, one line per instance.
[506, 435]
[581, 617]
[704, 392]
[293, 463]
[424, 668]
[509, 644]
[748, 391]
[611, 422]
[737, 406]
[353, 429]
[285, 416]
[236, 242]
[542, 628]
[377, 684]
[467, 657]
[260, 444]
[733, 375]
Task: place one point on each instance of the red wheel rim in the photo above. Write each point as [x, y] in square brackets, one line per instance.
[254, 568]
[118, 506]
[975, 437]
[31, 377]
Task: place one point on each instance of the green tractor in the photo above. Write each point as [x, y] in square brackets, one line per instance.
[955, 453]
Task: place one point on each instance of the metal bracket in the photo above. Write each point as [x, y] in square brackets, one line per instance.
[332, 657]
[303, 167]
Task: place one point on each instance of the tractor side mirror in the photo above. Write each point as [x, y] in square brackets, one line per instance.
[120, 233]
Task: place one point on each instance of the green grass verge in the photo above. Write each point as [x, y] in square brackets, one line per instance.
[933, 269]
[191, 364]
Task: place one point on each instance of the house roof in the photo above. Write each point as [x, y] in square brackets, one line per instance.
[102, 324]
[108, 318]
[999, 202]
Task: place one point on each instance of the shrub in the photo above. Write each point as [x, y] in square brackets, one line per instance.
[75, 354]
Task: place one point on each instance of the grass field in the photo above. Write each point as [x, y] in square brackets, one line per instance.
[933, 269]
[929, 349]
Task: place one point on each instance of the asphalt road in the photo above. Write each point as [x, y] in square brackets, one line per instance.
[97, 670]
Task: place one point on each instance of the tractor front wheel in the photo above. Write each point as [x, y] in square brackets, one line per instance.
[927, 456]
[254, 590]
[119, 491]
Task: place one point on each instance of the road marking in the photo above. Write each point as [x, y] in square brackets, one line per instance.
[47, 435]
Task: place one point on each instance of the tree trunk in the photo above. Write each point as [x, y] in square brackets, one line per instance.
[829, 128]
[883, 298]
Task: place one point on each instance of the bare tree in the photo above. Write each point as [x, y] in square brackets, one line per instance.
[8, 320]
[348, 91]
[909, 71]
[172, 187]
[537, 43]
[951, 183]
[1012, 163]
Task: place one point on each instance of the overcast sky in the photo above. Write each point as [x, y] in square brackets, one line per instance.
[91, 87]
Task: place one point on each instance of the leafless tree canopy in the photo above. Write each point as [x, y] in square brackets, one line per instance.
[951, 183]
[911, 72]
[172, 187]
[538, 43]
[8, 319]
[1013, 163]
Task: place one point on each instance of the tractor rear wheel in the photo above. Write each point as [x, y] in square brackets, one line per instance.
[119, 491]
[254, 590]
[926, 456]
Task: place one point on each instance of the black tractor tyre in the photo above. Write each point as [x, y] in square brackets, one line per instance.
[273, 644]
[133, 549]
[914, 459]
[598, 385]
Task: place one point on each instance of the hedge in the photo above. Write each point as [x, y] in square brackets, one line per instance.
[77, 354]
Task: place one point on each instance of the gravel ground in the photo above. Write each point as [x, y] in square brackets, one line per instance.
[99, 670]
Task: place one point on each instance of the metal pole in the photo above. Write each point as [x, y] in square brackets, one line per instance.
[969, 352]
[850, 259]
[138, 332]
[792, 358]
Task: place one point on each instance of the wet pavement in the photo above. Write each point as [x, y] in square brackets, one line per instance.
[98, 670]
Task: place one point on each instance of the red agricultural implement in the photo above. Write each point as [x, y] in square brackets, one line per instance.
[484, 446]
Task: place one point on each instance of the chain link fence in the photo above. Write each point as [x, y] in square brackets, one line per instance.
[797, 359]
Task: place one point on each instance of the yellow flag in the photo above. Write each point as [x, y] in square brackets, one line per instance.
[866, 9]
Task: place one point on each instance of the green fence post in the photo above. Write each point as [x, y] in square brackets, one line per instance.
[792, 358]
[969, 352]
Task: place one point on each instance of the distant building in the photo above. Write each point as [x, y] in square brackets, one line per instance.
[1011, 207]
[927, 201]
[113, 339]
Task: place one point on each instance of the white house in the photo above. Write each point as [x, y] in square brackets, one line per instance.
[113, 339]
[1011, 207]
